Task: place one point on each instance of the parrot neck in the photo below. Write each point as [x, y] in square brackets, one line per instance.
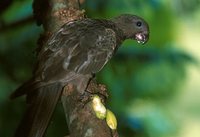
[112, 25]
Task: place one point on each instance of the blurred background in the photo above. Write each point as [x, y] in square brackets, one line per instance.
[154, 89]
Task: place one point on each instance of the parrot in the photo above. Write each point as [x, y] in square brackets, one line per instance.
[73, 54]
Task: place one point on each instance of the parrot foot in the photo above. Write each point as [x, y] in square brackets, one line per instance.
[92, 89]
[95, 88]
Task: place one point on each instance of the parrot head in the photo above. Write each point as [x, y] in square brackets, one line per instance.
[133, 27]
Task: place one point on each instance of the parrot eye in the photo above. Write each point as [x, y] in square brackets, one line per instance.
[139, 23]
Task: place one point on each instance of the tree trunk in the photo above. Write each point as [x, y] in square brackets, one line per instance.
[80, 116]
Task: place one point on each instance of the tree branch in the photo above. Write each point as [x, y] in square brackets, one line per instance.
[18, 23]
[81, 118]
[52, 14]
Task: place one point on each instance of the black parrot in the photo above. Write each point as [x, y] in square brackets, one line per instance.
[73, 54]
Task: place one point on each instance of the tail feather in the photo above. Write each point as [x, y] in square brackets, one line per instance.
[25, 88]
[39, 111]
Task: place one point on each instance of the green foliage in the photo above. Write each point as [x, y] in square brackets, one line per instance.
[159, 72]
[141, 79]
[18, 10]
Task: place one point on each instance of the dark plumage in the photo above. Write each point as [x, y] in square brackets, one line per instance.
[73, 54]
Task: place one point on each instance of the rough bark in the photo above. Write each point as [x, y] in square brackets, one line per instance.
[81, 119]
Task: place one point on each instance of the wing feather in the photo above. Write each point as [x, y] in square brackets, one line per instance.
[81, 53]
[93, 55]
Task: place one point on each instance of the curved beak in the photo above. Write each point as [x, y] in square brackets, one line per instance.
[142, 37]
